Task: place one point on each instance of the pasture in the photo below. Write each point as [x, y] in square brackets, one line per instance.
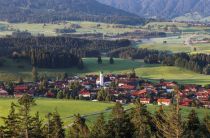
[49, 29]
[176, 44]
[11, 72]
[68, 108]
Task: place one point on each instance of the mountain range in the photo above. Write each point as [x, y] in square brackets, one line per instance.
[167, 9]
[59, 10]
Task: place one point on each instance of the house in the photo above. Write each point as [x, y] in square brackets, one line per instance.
[84, 93]
[145, 100]
[163, 101]
[3, 92]
[185, 102]
[21, 88]
[140, 93]
[127, 87]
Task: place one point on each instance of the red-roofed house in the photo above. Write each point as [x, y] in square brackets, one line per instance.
[3, 92]
[163, 101]
[185, 102]
[140, 93]
[145, 100]
[127, 87]
[21, 88]
[84, 93]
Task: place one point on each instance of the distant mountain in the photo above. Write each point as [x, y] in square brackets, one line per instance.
[57, 10]
[167, 9]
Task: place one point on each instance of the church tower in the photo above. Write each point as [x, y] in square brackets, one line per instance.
[101, 77]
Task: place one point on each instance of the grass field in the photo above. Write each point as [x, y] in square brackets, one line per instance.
[71, 107]
[175, 45]
[50, 29]
[10, 71]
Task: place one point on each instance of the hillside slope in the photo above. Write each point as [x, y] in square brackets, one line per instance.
[57, 10]
[162, 8]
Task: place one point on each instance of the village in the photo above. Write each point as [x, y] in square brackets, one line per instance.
[123, 88]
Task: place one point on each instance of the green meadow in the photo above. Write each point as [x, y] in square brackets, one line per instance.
[68, 108]
[49, 29]
[11, 71]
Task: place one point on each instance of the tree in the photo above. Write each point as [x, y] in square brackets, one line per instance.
[36, 127]
[25, 102]
[193, 125]
[79, 129]
[172, 125]
[140, 119]
[99, 128]
[57, 126]
[205, 127]
[99, 60]
[80, 64]
[11, 123]
[34, 74]
[20, 80]
[60, 95]
[120, 125]
[102, 95]
[111, 60]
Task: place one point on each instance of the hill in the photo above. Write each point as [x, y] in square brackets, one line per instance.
[42, 11]
[167, 9]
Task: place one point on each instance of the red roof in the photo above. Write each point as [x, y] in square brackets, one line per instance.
[140, 92]
[168, 84]
[127, 87]
[84, 92]
[164, 100]
[21, 88]
[144, 99]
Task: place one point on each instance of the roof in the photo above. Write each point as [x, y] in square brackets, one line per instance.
[84, 92]
[140, 92]
[127, 86]
[21, 88]
[164, 100]
[3, 91]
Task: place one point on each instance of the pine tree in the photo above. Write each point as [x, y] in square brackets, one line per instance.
[172, 125]
[193, 125]
[120, 125]
[25, 104]
[57, 124]
[140, 119]
[1, 132]
[12, 123]
[205, 127]
[79, 129]
[99, 60]
[160, 120]
[34, 74]
[36, 127]
[111, 60]
[99, 128]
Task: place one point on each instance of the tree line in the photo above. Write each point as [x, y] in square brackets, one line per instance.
[56, 52]
[132, 123]
[199, 63]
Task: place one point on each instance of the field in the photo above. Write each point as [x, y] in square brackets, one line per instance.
[50, 29]
[71, 107]
[11, 72]
[175, 44]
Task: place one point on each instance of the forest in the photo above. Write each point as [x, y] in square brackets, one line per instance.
[199, 63]
[56, 52]
[133, 123]
[50, 11]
